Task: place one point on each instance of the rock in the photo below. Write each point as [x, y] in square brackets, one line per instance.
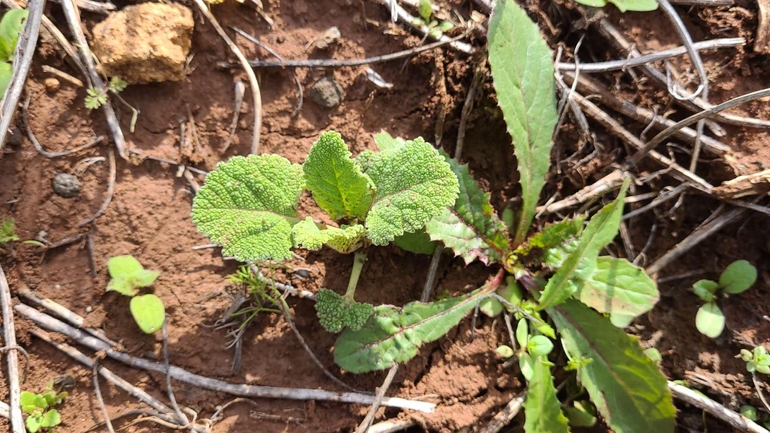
[51, 84]
[326, 92]
[145, 43]
[65, 185]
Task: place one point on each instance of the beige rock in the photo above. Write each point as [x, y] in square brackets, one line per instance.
[51, 84]
[145, 43]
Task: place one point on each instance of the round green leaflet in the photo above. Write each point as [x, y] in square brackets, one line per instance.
[149, 312]
[710, 321]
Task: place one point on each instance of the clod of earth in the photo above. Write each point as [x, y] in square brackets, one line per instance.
[65, 185]
[145, 43]
[326, 92]
[51, 84]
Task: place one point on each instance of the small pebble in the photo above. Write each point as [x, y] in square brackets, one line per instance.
[65, 185]
[57, 286]
[302, 272]
[326, 92]
[89, 309]
[51, 84]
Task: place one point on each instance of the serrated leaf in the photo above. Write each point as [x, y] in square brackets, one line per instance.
[522, 71]
[344, 240]
[710, 320]
[10, 26]
[618, 287]
[149, 313]
[248, 205]
[337, 183]
[418, 242]
[471, 227]
[414, 184]
[627, 388]
[738, 277]
[385, 141]
[580, 264]
[395, 335]
[542, 409]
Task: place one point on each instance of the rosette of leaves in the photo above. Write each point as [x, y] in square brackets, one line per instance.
[249, 205]
[40, 409]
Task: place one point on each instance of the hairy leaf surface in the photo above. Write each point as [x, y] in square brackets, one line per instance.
[248, 205]
[344, 240]
[522, 70]
[414, 184]
[542, 409]
[625, 385]
[581, 262]
[471, 227]
[618, 287]
[337, 183]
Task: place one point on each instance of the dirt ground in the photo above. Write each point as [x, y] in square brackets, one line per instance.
[149, 216]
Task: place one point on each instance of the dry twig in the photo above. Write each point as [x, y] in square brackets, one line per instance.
[110, 188]
[504, 417]
[255, 93]
[736, 420]
[25, 50]
[95, 80]
[182, 375]
[39, 147]
[367, 422]
[9, 338]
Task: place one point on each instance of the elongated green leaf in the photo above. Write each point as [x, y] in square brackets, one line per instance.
[337, 183]
[344, 240]
[617, 287]
[414, 184]
[471, 227]
[10, 26]
[522, 70]
[580, 264]
[395, 335]
[248, 206]
[541, 408]
[625, 385]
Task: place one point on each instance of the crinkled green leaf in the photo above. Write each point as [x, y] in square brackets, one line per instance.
[627, 388]
[471, 227]
[344, 240]
[149, 312]
[580, 264]
[337, 183]
[737, 277]
[418, 242]
[618, 287]
[395, 335]
[414, 184]
[385, 141]
[710, 320]
[10, 26]
[335, 312]
[542, 409]
[522, 71]
[248, 205]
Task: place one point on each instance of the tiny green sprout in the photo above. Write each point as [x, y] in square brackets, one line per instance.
[127, 276]
[735, 279]
[96, 97]
[39, 408]
[435, 29]
[505, 351]
[757, 360]
[8, 232]
[750, 412]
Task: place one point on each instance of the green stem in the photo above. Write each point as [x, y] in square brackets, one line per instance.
[358, 265]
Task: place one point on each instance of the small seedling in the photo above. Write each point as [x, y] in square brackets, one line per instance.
[736, 278]
[263, 299]
[97, 97]
[40, 409]
[128, 275]
[10, 26]
[8, 232]
[435, 28]
[757, 360]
